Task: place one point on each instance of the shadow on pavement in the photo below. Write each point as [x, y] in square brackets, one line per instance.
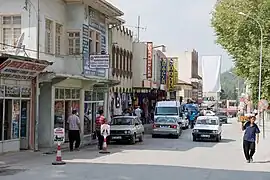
[136, 172]
[262, 162]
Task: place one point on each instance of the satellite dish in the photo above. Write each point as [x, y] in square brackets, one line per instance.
[19, 44]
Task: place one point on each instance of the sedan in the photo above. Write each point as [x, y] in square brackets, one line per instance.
[223, 118]
[169, 126]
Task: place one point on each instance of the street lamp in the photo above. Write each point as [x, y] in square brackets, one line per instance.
[261, 49]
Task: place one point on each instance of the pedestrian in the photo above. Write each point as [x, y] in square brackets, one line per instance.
[251, 137]
[138, 112]
[99, 121]
[74, 130]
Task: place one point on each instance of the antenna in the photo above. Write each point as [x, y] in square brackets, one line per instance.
[139, 28]
[19, 44]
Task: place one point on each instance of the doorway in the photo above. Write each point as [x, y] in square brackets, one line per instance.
[25, 114]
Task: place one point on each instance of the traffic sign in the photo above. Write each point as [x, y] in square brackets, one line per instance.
[59, 135]
[105, 130]
[263, 104]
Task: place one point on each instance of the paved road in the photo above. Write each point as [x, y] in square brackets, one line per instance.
[157, 159]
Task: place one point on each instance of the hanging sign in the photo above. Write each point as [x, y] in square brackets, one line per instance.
[149, 58]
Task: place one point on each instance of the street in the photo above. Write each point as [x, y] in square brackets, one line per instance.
[157, 159]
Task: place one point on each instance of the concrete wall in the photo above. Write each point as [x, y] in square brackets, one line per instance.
[139, 63]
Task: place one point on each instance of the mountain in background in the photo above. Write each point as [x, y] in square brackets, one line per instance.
[229, 85]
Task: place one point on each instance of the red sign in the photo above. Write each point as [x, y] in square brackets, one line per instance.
[149, 62]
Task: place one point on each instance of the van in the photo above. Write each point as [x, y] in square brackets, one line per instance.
[170, 109]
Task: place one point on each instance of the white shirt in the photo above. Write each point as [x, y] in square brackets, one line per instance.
[73, 122]
[138, 112]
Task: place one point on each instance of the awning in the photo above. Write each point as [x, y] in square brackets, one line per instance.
[20, 67]
[98, 82]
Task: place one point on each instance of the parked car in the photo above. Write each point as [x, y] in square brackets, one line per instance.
[223, 118]
[207, 127]
[126, 128]
[169, 126]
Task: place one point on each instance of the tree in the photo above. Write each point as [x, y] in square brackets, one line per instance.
[240, 36]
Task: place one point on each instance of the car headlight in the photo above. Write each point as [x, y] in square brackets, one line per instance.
[127, 132]
[195, 130]
[215, 132]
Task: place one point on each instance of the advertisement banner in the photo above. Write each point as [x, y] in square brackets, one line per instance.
[163, 71]
[149, 62]
[171, 75]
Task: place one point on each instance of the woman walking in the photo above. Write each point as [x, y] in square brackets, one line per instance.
[251, 137]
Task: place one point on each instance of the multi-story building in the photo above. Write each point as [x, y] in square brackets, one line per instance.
[121, 69]
[188, 71]
[73, 37]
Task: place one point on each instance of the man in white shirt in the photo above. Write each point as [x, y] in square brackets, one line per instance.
[74, 130]
[138, 112]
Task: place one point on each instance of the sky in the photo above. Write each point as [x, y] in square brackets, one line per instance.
[179, 24]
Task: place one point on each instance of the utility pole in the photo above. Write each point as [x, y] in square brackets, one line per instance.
[139, 28]
[37, 79]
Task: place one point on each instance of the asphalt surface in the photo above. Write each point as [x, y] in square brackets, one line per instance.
[157, 159]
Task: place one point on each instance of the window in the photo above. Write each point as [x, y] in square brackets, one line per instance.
[49, 36]
[74, 46]
[166, 111]
[58, 38]
[11, 30]
[97, 51]
[91, 37]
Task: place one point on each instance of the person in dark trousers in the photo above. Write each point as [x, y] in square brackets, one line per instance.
[251, 137]
[74, 130]
[99, 121]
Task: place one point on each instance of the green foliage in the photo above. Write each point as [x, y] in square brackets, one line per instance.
[240, 36]
[229, 85]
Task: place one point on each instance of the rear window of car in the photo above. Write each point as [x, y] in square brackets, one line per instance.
[165, 120]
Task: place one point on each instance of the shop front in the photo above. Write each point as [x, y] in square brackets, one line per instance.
[17, 93]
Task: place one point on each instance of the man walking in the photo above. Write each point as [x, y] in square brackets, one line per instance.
[251, 136]
[100, 120]
[74, 130]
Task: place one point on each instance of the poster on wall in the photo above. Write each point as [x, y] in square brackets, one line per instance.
[59, 114]
[15, 119]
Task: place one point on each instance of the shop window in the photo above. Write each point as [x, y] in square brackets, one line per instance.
[56, 94]
[87, 125]
[1, 118]
[100, 96]
[25, 92]
[77, 93]
[15, 119]
[73, 94]
[87, 95]
[94, 96]
[61, 93]
[12, 91]
[59, 114]
[2, 91]
[67, 94]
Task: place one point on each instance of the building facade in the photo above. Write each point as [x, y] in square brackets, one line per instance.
[70, 32]
[121, 69]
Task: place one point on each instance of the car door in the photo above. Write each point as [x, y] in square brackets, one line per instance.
[138, 127]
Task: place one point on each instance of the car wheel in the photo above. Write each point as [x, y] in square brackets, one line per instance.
[154, 136]
[218, 138]
[226, 122]
[141, 137]
[194, 138]
[133, 139]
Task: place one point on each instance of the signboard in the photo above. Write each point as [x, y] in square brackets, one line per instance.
[105, 130]
[171, 75]
[163, 71]
[149, 62]
[100, 61]
[59, 135]
[21, 69]
[263, 105]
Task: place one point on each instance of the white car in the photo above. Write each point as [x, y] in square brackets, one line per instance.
[207, 127]
[209, 113]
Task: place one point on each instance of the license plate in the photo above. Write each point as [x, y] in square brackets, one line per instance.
[116, 137]
[164, 126]
[204, 135]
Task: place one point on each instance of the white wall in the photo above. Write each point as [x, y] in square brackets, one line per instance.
[139, 63]
[184, 66]
[71, 16]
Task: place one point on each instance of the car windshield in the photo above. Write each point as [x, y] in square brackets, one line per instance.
[221, 113]
[121, 121]
[165, 120]
[166, 111]
[207, 121]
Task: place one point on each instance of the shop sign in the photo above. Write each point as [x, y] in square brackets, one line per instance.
[99, 61]
[12, 91]
[163, 71]
[171, 75]
[149, 58]
[59, 135]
